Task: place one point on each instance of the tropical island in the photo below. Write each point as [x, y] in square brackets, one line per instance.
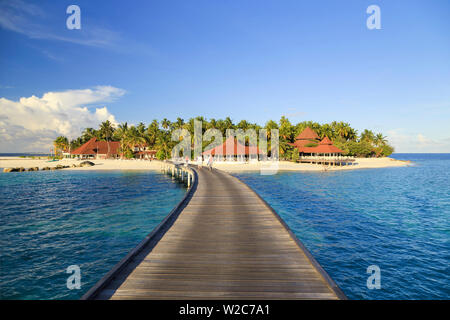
[307, 145]
[157, 136]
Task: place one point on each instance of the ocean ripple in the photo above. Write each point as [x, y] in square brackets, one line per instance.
[396, 218]
[51, 220]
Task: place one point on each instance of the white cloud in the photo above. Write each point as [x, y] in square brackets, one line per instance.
[32, 123]
[416, 142]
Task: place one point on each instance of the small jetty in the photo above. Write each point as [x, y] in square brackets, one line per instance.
[329, 161]
[222, 241]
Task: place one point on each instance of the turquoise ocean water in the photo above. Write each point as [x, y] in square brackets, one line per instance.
[53, 219]
[395, 218]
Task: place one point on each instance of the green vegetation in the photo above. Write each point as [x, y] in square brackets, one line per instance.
[295, 155]
[61, 145]
[157, 136]
[311, 144]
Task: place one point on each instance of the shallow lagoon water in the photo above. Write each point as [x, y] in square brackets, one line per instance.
[395, 218]
[51, 220]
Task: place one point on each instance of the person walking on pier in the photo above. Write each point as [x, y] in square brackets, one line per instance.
[210, 162]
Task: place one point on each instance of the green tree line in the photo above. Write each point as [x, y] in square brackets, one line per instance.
[157, 135]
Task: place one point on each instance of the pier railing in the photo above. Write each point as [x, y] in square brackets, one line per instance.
[180, 172]
[224, 242]
[329, 160]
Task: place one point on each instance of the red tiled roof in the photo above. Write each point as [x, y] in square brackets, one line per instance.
[307, 134]
[301, 143]
[85, 148]
[325, 141]
[93, 147]
[242, 150]
[325, 146]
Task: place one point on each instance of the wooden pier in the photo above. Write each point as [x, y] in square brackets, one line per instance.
[328, 161]
[221, 242]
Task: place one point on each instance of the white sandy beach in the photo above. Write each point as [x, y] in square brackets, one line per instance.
[360, 163]
[14, 162]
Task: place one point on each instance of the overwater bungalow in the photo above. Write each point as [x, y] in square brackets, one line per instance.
[233, 148]
[95, 149]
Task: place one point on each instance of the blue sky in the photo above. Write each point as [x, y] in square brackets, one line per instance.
[254, 60]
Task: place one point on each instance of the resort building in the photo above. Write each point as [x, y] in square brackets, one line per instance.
[144, 152]
[323, 152]
[307, 136]
[325, 148]
[232, 148]
[95, 149]
[65, 154]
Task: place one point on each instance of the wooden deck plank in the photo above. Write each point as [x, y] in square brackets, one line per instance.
[226, 243]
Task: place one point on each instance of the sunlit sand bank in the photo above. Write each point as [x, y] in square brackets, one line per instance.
[10, 162]
[360, 163]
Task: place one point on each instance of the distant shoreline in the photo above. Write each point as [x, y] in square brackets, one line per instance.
[25, 154]
[360, 163]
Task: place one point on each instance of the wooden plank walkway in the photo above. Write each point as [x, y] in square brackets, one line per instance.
[225, 243]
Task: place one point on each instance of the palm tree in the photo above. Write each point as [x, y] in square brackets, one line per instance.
[255, 126]
[163, 142]
[212, 124]
[61, 144]
[134, 138]
[106, 132]
[380, 140]
[76, 143]
[165, 123]
[131, 139]
[285, 148]
[326, 130]
[203, 122]
[227, 124]
[342, 129]
[179, 123]
[152, 133]
[141, 128]
[286, 129]
[189, 126]
[368, 136]
[270, 125]
[90, 133]
[121, 130]
[243, 124]
[220, 124]
[352, 134]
